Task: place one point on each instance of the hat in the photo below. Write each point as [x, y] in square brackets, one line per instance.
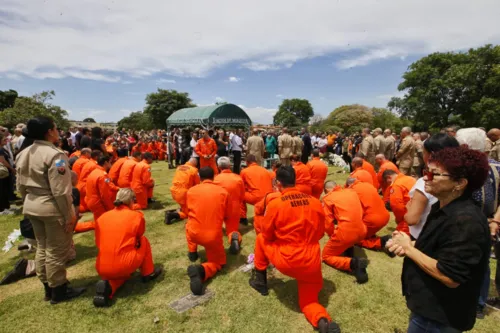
[378, 129]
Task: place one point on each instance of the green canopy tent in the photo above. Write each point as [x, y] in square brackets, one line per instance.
[210, 116]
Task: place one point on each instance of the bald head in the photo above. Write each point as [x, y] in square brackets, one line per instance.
[255, 132]
[350, 181]
[380, 159]
[193, 161]
[329, 186]
[357, 162]
[86, 152]
[494, 134]
[366, 131]
[285, 130]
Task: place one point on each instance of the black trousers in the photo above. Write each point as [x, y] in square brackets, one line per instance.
[347, 159]
[236, 161]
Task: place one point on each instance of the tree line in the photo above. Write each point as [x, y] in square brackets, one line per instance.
[441, 89]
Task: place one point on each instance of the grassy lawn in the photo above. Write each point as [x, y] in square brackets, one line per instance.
[373, 307]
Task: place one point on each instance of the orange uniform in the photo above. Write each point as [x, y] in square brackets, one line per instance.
[375, 216]
[386, 165]
[289, 239]
[398, 198]
[186, 176]
[119, 236]
[126, 172]
[368, 167]
[112, 153]
[76, 153]
[319, 171]
[161, 147]
[78, 165]
[344, 207]
[233, 184]
[303, 178]
[207, 147]
[204, 225]
[82, 183]
[101, 192]
[152, 149]
[142, 184]
[258, 182]
[260, 210]
[114, 172]
[362, 175]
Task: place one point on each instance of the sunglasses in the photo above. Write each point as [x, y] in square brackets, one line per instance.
[430, 175]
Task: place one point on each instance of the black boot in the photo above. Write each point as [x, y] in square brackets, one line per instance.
[235, 244]
[48, 292]
[170, 216]
[244, 221]
[151, 200]
[193, 256]
[358, 267]
[325, 326]
[383, 242]
[102, 296]
[64, 293]
[196, 275]
[349, 252]
[258, 281]
[18, 273]
[157, 272]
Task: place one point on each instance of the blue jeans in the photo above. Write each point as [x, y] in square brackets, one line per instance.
[485, 287]
[419, 324]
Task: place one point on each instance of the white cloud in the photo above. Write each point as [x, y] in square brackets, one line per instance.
[233, 79]
[280, 96]
[164, 81]
[127, 82]
[387, 97]
[219, 99]
[260, 115]
[13, 76]
[96, 41]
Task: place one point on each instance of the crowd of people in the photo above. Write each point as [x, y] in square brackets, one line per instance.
[442, 189]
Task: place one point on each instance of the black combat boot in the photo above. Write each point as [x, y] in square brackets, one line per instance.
[258, 281]
[244, 221]
[193, 256]
[48, 292]
[235, 244]
[102, 296]
[64, 293]
[325, 326]
[196, 275]
[358, 267]
[157, 272]
[171, 216]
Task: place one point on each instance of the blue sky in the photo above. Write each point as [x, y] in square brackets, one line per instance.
[102, 57]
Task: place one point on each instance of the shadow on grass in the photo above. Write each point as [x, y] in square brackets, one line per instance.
[157, 205]
[287, 294]
[83, 252]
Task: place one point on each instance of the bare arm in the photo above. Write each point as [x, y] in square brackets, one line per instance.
[416, 208]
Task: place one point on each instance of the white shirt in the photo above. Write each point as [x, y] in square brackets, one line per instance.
[322, 142]
[73, 137]
[236, 143]
[193, 144]
[420, 186]
[314, 139]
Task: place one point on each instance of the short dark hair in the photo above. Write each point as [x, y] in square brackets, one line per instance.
[440, 141]
[388, 173]
[295, 158]
[102, 160]
[147, 156]
[96, 132]
[85, 131]
[206, 173]
[38, 127]
[315, 152]
[251, 158]
[95, 154]
[136, 154]
[286, 176]
[122, 152]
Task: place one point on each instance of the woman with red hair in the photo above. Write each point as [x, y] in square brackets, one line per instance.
[444, 268]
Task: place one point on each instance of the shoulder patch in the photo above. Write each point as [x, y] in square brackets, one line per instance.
[107, 180]
[61, 166]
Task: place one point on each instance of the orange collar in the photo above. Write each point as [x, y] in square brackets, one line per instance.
[207, 181]
[226, 171]
[288, 189]
[316, 158]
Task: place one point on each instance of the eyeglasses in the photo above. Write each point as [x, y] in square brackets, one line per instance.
[430, 175]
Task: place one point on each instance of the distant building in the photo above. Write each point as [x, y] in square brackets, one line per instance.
[104, 126]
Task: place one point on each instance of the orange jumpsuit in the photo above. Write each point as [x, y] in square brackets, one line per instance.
[101, 192]
[368, 167]
[260, 210]
[289, 239]
[344, 207]
[207, 147]
[119, 237]
[114, 172]
[76, 153]
[112, 154]
[186, 176]
[142, 184]
[233, 184]
[398, 198]
[78, 165]
[82, 183]
[303, 178]
[319, 171]
[258, 182]
[362, 175]
[152, 149]
[387, 165]
[375, 216]
[204, 225]
[126, 172]
[161, 147]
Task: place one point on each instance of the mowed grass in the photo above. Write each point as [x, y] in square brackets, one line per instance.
[377, 306]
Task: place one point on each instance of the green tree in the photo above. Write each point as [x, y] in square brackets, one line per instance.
[89, 120]
[443, 88]
[293, 113]
[161, 104]
[136, 121]
[350, 118]
[383, 118]
[7, 99]
[25, 108]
